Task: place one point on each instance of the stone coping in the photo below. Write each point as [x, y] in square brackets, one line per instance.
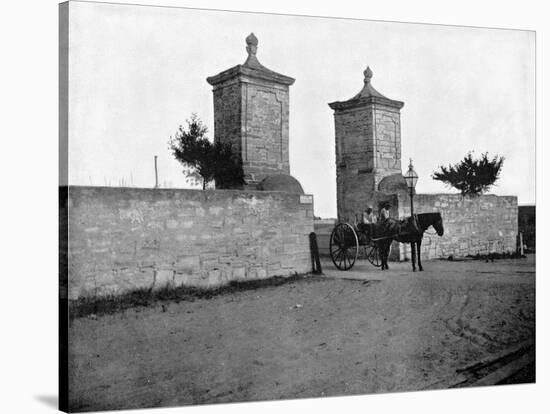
[207, 191]
[364, 101]
[240, 70]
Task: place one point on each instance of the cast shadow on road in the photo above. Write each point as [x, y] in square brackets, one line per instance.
[48, 400]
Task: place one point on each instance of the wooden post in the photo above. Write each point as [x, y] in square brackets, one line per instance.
[521, 243]
[315, 260]
[156, 174]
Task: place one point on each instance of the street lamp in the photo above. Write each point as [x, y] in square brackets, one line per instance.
[411, 177]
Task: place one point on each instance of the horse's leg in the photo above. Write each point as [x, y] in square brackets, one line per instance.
[413, 256]
[418, 245]
[388, 248]
[385, 255]
[380, 246]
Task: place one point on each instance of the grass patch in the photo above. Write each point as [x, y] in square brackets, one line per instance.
[491, 257]
[83, 307]
[497, 256]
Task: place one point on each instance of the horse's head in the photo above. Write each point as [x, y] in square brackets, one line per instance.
[438, 225]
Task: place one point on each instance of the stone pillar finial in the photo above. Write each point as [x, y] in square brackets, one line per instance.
[251, 44]
[368, 74]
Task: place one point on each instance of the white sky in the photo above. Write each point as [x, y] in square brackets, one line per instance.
[138, 72]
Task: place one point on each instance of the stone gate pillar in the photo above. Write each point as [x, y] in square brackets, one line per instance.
[251, 111]
[368, 148]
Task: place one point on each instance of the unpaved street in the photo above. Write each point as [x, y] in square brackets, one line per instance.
[362, 331]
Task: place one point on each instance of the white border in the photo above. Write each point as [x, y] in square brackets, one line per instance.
[29, 202]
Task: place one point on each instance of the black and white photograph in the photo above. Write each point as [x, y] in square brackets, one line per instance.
[286, 207]
[268, 205]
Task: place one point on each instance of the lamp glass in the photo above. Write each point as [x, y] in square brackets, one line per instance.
[411, 177]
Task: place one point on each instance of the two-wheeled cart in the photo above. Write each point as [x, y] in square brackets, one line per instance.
[349, 242]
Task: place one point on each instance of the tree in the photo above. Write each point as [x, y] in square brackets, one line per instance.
[228, 171]
[204, 161]
[471, 176]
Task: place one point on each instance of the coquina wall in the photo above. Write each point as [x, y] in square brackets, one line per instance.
[484, 224]
[122, 239]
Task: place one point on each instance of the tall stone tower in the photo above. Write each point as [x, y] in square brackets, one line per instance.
[251, 111]
[368, 148]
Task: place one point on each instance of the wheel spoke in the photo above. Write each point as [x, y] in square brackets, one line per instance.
[336, 237]
[336, 254]
[343, 246]
[339, 255]
[341, 258]
[349, 259]
[373, 256]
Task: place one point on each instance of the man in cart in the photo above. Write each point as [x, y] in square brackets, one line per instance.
[365, 225]
[388, 225]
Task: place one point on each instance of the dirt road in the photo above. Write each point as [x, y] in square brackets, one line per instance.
[362, 331]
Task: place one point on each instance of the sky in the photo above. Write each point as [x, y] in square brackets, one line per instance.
[136, 73]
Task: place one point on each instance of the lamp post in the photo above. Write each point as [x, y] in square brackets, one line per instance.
[411, 177]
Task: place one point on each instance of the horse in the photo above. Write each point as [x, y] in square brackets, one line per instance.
[410, 230]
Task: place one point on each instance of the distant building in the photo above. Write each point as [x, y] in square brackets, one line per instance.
[526, 225]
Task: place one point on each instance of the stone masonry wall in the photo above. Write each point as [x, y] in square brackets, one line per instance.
[387, 143]
[368, 148]
[354, 139]
[122, 239]
[354, 202]
[485, 224]
[254, 116]
[266, 130]
[354, 158]
[227, 115]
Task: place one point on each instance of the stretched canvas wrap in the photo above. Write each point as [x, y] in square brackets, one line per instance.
[264, 207]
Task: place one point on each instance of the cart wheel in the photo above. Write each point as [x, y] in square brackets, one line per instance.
[373, 254]
[344, 246]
